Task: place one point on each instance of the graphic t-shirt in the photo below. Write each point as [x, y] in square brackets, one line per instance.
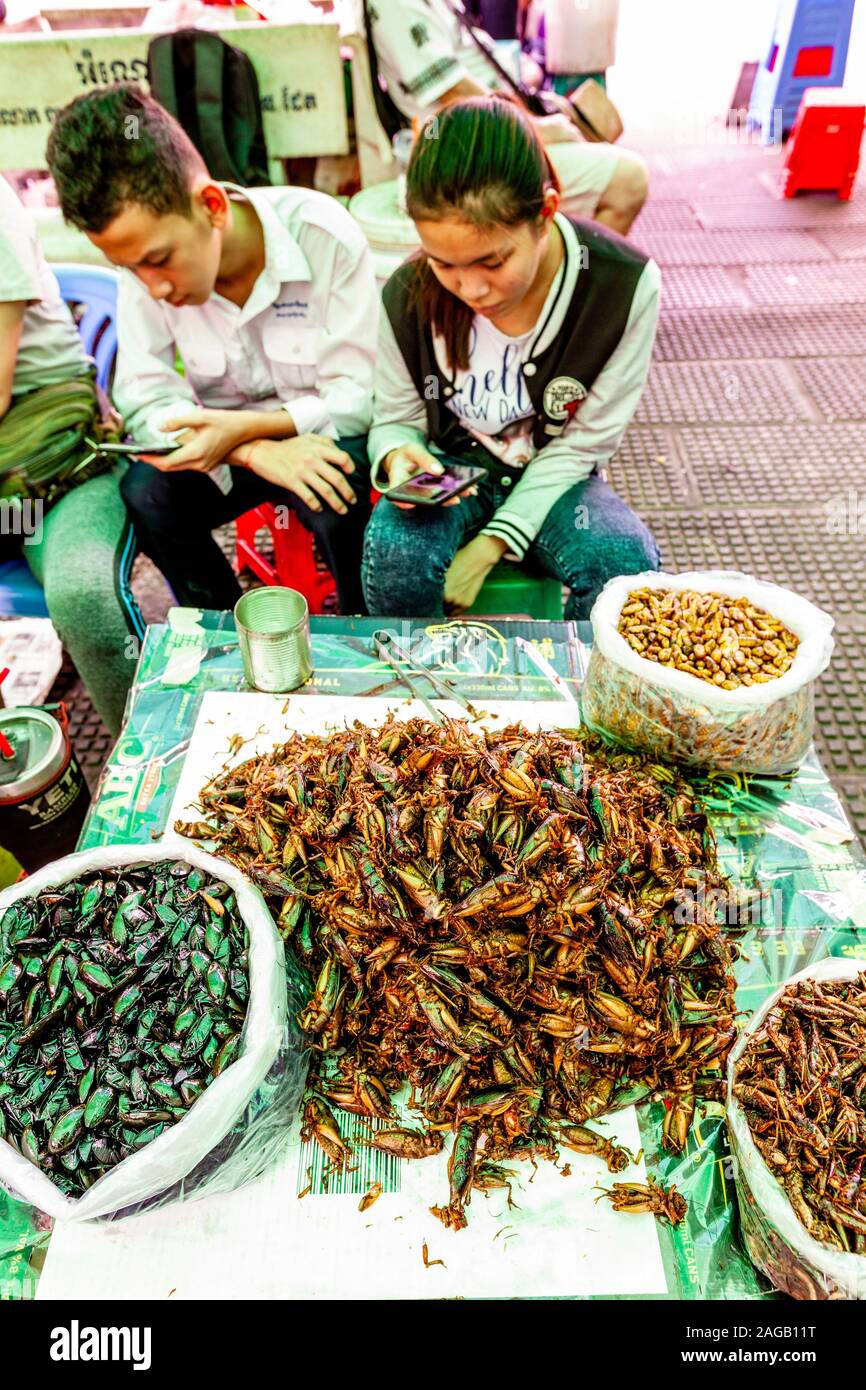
[491, 399]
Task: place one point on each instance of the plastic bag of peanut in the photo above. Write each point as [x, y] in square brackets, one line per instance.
[728, 678]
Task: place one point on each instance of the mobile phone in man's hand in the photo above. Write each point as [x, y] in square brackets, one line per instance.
[132, 448]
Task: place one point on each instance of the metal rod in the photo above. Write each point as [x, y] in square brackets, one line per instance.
[405, 673]
[391, 652]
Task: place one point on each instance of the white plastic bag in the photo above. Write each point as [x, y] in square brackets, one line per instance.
[777, 1241]
[763, 728]
[241, 1122]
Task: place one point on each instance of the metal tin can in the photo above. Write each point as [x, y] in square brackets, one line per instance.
[273, 627]
[43, 794]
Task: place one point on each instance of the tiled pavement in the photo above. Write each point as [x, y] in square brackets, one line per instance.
[749, 447]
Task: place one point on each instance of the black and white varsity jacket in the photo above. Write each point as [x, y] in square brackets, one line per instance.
[584, 370]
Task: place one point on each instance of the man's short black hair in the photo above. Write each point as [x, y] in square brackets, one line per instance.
[115, 146]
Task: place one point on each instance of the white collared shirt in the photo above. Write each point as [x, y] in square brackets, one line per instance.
[305, 340]
[422, 52]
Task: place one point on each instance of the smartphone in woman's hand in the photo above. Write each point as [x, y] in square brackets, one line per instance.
[432, 489]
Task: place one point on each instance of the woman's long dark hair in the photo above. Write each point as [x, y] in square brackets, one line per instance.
[481, 160]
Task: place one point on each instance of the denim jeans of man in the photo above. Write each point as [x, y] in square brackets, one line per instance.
[589, 536]
[175, 514]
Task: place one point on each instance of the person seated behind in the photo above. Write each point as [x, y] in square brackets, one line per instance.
[580, 42]
[519, 339]
[427, 61]
[82, 549]
[269, 298]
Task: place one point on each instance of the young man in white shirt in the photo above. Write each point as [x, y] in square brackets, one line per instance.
[427, 60]
[268, 297]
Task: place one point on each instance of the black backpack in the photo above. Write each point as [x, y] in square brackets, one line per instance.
[212, 90]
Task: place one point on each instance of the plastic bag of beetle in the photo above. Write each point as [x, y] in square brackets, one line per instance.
[149, 1050]
[727, 679]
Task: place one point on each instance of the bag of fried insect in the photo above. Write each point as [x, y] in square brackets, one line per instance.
[711, 668]
[147, 1116]
[802, 1265]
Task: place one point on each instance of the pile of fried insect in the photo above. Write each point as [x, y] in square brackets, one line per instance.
[520, 926]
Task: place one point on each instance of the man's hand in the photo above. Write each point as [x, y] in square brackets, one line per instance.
[468, 571]
[208, 437]
[407, 462]
[311, 466]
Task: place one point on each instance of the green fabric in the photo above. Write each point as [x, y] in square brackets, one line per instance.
[509, 589]
[80, 562]
[43, 448]
[564, 82]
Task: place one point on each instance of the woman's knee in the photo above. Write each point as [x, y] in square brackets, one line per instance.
[592, 536]
[633, 548]
[404, 562]
[78, 600]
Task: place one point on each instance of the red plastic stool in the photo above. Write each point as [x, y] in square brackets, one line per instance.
[293, 552]
[824, 149]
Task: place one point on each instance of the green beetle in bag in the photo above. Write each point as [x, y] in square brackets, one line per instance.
[44, 449]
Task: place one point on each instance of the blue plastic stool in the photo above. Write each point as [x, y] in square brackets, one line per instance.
[809, 48]
[509, 590]
[94, 289]
[20, 595]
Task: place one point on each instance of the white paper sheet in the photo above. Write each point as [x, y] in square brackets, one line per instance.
[34, 654]
[264, 1242]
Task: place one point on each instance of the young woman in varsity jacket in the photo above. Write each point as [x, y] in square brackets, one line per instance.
[518, 339]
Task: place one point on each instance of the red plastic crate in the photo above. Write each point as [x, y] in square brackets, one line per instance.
[824, 150]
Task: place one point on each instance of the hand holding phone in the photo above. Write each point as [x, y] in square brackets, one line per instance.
[418, 478]
[132, 448]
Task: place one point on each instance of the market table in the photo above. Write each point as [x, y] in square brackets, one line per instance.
[786, 840]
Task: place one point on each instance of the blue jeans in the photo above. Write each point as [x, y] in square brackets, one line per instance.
[588, 537]
[176, 512]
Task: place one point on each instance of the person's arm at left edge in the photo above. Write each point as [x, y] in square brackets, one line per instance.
[11, 319]
[19, 286]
